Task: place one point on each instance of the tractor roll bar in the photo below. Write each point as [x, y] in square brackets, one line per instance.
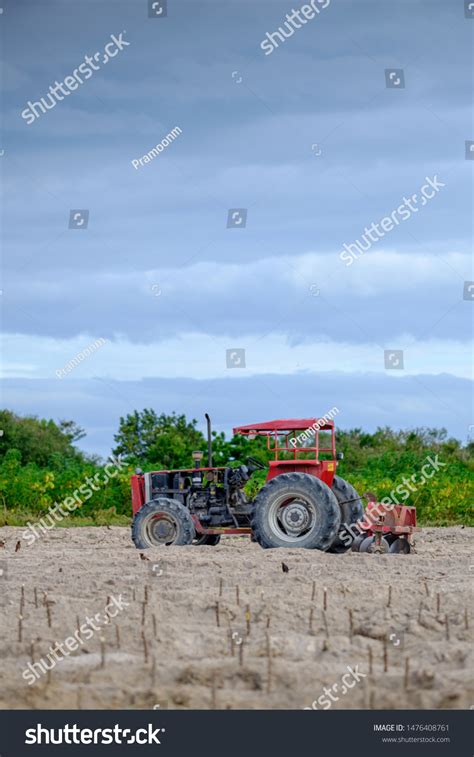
[284, 428]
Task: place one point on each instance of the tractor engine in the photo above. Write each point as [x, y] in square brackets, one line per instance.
[192, 505]
[214, 495]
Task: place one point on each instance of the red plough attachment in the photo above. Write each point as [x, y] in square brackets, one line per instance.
[387, 528]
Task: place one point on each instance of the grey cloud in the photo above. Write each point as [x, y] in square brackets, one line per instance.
[309, 297]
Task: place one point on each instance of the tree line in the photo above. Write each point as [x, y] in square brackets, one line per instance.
[40, 464]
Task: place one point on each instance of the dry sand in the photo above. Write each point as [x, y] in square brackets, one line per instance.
[174, 647]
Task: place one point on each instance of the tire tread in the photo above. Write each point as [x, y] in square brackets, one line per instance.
[311, 486]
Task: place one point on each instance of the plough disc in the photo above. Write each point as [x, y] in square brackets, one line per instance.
[357, 542]
[400, 547]
[369, 545]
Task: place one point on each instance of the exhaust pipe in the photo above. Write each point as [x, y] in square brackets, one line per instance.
[209, 442]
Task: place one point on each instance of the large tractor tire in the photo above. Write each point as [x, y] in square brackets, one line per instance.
[206, 540]
[295, 510]
[162, 522]
[352, 510]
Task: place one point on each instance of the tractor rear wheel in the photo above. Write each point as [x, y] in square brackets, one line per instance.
[162, 522]
[352, 510]
[295, 510]
[206, 540]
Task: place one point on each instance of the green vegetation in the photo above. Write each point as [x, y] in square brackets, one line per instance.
[40, 466]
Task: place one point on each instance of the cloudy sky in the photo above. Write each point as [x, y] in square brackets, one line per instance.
[264, 319]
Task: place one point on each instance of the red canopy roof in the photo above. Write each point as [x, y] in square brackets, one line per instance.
[285, 424]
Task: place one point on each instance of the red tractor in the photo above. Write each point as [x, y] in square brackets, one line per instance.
[302, 504]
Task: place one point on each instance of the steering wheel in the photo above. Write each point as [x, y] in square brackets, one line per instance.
[256, 463]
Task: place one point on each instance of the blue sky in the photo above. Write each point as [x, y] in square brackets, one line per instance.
[310, 141]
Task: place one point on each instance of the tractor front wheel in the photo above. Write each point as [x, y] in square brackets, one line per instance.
[162, 523]
[295, 510]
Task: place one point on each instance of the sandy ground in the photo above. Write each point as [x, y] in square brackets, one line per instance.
[227, 627]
